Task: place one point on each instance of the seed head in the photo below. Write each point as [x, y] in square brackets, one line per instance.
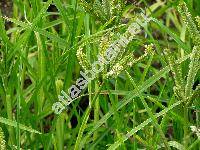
[2, 141]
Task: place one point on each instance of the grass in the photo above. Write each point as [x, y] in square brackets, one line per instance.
[149, 104]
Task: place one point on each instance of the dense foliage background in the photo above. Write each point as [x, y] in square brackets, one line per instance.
[154, 103]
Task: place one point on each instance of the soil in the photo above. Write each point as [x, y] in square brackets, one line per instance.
[6, 7]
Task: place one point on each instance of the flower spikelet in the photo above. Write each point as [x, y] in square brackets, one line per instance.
[83, 59]
[2, 141]
[195, 130]
[104, 43]
[128, 60]
[187, 19]
[193, 69]
[198, 21]
[177, 73]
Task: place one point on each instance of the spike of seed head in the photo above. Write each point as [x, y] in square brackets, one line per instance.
[193, 70]
[2, 140]
[128, 60]
[83, 59]
[187, 19]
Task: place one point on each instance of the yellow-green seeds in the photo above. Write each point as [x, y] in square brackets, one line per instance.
[2, 141]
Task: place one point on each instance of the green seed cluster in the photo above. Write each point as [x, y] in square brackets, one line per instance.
[184, 87]
[177, 74]
[2, 141]
[104, 10]
[198, 21]
[123, 57]
[195, 130]
[83, 59]
[187, 19]
[194, 66]
[129, 60]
